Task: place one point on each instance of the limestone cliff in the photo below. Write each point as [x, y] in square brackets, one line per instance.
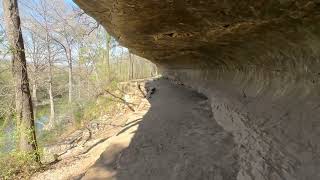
[257, 61]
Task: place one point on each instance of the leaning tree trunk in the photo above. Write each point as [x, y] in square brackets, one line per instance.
[24, 108]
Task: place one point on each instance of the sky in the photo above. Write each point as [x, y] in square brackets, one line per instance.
[116, 50]
[69, 2]
[21, 8]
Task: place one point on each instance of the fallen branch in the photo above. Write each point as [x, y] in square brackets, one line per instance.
[122, 100]
[141, 91]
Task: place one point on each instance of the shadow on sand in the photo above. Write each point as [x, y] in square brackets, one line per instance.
[177, 139]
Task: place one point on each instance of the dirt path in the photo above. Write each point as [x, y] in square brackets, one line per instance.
[176, 139]
[75, 161]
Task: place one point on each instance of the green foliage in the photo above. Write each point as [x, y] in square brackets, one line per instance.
[17, 165]
[96, 109]
[6, 93]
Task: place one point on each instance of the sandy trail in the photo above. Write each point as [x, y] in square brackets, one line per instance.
[177, 138]
[170, 136]
[76, 161]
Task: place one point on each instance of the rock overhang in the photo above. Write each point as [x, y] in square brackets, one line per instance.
[207, 33]
[257, 61]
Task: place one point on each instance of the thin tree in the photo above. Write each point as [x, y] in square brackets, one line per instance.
[35, 52]
[42, 27]
[24, 108]
[67, 48]
[107, 54]
[131, 63]
[50, 63]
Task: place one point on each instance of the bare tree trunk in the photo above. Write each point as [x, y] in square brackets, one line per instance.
[34, 97]
[131, 65]
[120, 69]
[52, 111]
[70, 75]
[68, 53]
[108, 41]
[79, 79]
[34, 92]
[24, 108]
[50, 89]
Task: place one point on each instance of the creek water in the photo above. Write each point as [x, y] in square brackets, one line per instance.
[7, 139]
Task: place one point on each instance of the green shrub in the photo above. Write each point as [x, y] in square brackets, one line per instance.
[17, 165]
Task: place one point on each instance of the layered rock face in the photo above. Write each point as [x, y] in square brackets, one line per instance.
[256, 60]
